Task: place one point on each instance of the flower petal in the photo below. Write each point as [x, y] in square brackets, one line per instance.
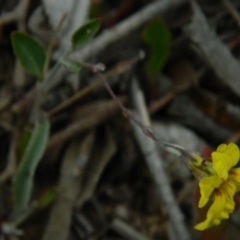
[231, 150]
[234, 176]
[229, 188]
[207, 185]
[224, 158]
[204, 225]
[221, 164]
[216, 212]
[223, 205]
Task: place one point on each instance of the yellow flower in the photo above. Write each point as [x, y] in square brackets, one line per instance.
[219, 182]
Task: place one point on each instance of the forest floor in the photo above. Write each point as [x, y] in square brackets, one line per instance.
[87, 153]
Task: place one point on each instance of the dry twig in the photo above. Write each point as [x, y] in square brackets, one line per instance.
[126, 230]
[11, 163]
[72, 169]
[102, 110]
[155, 164]
[232, 11]
[18, 14]
[120, 68]
[183, 109]
[103, 152]
[216, 53]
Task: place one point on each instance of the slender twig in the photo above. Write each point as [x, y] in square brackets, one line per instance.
[147, 130]
[126, 230]
[97, 69]
[19, 13]
[8, 18]
[155, 164]
[102, 109]
[232, 11]
[159, 103]
[39, 86]
[23, 10]
[119, 69]
[52, 44]
[11, 164]
[101, 156]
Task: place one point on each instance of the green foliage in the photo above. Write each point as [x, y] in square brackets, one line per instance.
[23, 184]
[23, 142]
[29, 52]
[70, 65]
[47, 198]
[157, 36]
[85, 33]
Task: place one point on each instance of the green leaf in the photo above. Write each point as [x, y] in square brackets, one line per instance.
[23, 184]
[70, 65]
[29, 52]
[23, 142]
[85, 33]
[158, 37]
[47, 198]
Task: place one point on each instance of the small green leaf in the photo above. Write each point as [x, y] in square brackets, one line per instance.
[29, 52]
[70, 65]
[46, 199]
[85, 33]
[23, 184]
[158, 37]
